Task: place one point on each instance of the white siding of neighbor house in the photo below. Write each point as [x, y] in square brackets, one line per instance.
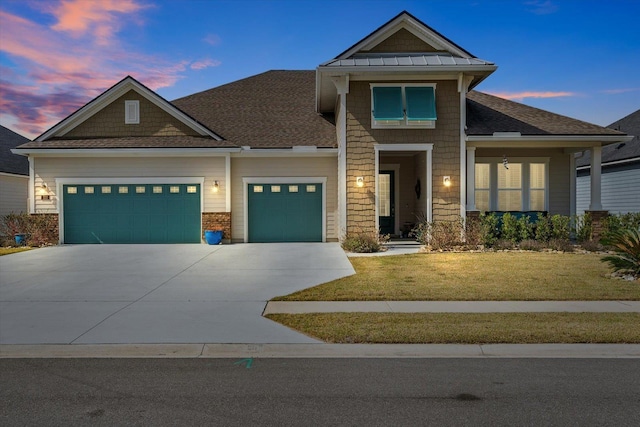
[13, 193]
[48, 169]
[620, 191]
[559, 173]
[255, 167]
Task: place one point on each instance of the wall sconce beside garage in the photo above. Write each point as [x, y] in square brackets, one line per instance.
[360, 181]
[43, 192]
[216, 186]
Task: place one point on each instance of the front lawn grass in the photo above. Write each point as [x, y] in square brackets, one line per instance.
[487, 276]
[7, 251]
[466, 328]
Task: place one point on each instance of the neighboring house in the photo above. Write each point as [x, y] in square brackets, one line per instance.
[14, 173]
[388, 131]
[620, 171]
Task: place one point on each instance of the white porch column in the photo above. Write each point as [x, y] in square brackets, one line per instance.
[596, 179]
[429, 173]
[342, 85]
[32, 186]
[572, 184]
[471, 178]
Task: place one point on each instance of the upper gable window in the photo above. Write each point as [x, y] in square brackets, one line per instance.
[132, 112]
[403, 105]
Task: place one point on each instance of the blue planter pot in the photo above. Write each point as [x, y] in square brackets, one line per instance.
[21, 239]
[213, 237]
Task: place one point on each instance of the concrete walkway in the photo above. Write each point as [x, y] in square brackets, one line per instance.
[296, 307]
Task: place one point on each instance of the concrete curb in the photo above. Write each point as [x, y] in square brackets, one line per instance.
[322, 351]
[299, 307]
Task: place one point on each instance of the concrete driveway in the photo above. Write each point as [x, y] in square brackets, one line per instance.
[98, 294]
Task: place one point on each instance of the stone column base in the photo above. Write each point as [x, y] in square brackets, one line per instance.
[217, 221]
[597, 223]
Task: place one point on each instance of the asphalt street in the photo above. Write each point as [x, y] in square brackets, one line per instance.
[292, 392]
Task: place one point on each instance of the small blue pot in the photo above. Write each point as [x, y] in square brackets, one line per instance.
[21, 239]
[213, 237]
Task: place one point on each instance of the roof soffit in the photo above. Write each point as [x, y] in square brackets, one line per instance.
[110, 95]
[408, 22]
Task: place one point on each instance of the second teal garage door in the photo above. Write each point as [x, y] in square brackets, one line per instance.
[133, 213]
[285, 212]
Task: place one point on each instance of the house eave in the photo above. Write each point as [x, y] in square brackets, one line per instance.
[612, 163]
[540, 141]
[123, 152]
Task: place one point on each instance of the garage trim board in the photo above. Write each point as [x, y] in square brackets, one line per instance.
[62, 182]
[321, 181]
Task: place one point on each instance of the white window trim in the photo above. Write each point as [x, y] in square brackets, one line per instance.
[61, 182]
[129, 119]
[495, 162]
[401, 124]
[284, 180]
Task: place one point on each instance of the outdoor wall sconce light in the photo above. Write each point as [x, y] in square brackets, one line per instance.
[43, 192]
[446, 181]
[216, 186]
[360, 181]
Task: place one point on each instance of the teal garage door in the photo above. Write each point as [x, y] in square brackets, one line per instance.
[134, 213]
[285, 212]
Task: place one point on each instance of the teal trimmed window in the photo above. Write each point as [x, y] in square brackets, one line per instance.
[421, 103]
[387, 103]
[403, 105]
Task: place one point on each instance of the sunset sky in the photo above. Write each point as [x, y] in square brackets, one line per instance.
[576, 58]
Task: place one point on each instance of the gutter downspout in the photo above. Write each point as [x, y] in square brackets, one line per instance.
[32, 183]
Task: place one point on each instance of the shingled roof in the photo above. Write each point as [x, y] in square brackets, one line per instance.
[624, 150]
[487, 114]
[275, 109]
[9, 162]
[132, 142]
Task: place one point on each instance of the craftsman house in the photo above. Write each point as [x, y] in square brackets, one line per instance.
[388, 131]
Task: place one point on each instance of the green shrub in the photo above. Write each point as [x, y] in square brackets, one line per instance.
[626, 245]
[544, 229]
[561, 226]
[510, 228]
[561, 245]
[525, 228]
[618, 222]
[489, 229]
[364, 242]
[584, 227]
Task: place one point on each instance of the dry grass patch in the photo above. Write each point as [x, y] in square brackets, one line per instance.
[7, 251]
[466, 328]
[497, 276]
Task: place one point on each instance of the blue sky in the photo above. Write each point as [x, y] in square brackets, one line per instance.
[576, 58]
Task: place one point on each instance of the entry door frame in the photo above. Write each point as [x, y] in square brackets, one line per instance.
[61, 182]
[395, 168]
[284, 180]
[428, 190]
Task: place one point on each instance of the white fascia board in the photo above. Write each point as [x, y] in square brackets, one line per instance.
[286, 152]
[410, 69]
[545, 141]
[613, 163]
[96, 105]
[411, 25]
[126, 152]
[14, 175]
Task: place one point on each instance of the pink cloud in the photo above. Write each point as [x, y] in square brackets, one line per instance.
[52, 72]
[212, 39]
[100, 17]
[530, 94]
[619, 91]
[205, 63]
